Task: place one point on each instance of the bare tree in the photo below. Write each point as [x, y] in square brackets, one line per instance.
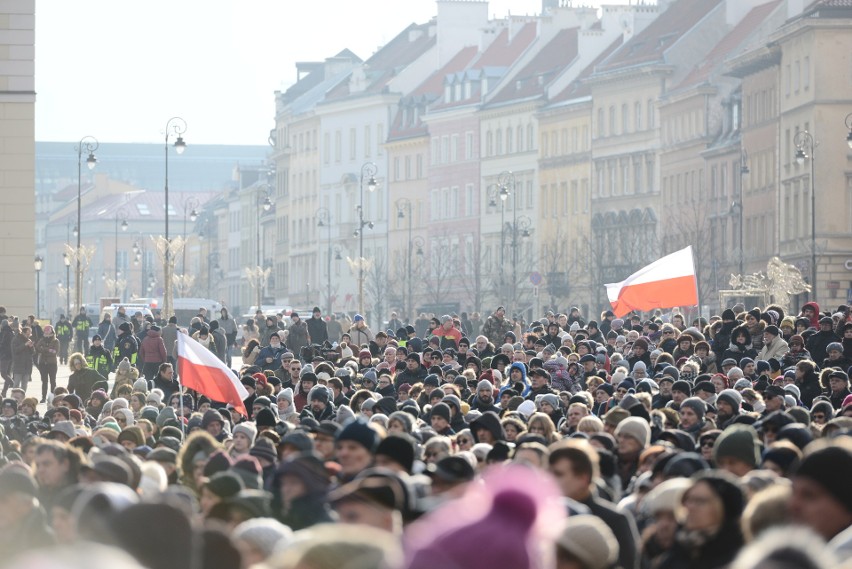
[475, 278]
[377, 287]
[440, 266]
[691, 226]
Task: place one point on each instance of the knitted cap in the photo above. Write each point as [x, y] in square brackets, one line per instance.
[590, 540]
[360, 432]
[697, 405]
[248, 429]
[739, 442]
[635, 427]
[732, 397]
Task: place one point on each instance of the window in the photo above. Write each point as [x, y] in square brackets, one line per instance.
[509, 139]
[600, 123]
[499, 145]
[326, 147]
[788, 80]
[519, 138]
[433, 205]
[408, 167]
[585, 195]
[637, 175]
[468, 200]
[454, 148]
[436, 150]
[650, 113]
[468, 146]
[797, 75]
[338, 145]
[625, 119]
[489, 144]
[454, 201]
[649, 173]
[353, 144]
[368, 142]
[575, 140]
[806, 80]
[545, 147]
[445, 149]
[625, 177]
[599, 177]
[419, 166]
[637, 117]
[530, 196]
[396, 168]
[380, 137]
[611, 130]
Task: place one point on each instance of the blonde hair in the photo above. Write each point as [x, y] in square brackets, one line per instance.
[590, 425]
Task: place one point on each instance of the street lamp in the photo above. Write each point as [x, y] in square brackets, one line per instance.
[806, 149]
[324, 220]
[849, 126]
[402, 205]
[38, 264]
[368, 171]
[189, 205]
[174, 126]
[88, 145]
[67, 260]
[738, 208]
[121, 215]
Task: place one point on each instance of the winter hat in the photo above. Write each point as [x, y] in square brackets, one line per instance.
[526, 409]
[732, 397]
[616, 416]
[360, 432]
[607, 387]
[299, 440]
[672, 372]
[834, 346]
[590, 540]
[739, 442]
[636, 428]
[682, 386]
[667, 496]
[132, 434]
[318, 393]
[265, 418]
[248, 429]
[358, 318]
[551, 400]
[265, 535]
[509, 522]
[400, 449]
[224, 484]
[141, 385]
[264, 448]
[829, 466]
[484, 385]
[441, 410]
[697, 405]
[218, 461]
[772, 329]
[286, 393]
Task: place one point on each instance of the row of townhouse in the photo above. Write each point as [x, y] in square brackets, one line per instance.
[528, 160]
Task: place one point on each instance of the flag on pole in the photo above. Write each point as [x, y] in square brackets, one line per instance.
[665, 283]
[202, 371]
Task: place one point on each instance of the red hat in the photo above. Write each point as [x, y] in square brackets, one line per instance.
[260, 378]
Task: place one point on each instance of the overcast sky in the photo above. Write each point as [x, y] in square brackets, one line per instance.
[119, 69]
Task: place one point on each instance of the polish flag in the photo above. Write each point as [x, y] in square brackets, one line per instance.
[665, 283]
[202, 371]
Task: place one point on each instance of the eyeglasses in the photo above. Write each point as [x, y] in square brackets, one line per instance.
[708, 444]
[464, 441]
[384, 383]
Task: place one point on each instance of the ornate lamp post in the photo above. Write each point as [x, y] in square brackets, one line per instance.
[806, 149]
[368, 172]
[175, 126]
[88, 145]
[38, 265]
[403, 205]
[324, 220]
[120, 215]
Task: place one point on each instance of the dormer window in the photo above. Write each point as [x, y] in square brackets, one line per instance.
[448, 93]
[458, 92]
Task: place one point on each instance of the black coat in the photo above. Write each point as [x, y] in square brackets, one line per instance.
[317, 330]
[818, 343]
[623, 526]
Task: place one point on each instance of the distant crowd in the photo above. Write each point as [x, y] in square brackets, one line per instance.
[644, 442]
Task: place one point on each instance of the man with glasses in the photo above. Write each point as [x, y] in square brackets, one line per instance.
[773, 398]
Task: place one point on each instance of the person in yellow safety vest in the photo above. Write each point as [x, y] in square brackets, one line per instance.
[99, 359]
[63, 334]
[81, 325]
[126, 345]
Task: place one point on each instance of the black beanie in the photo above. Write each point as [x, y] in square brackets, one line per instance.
[441, 410]
[830, 467]
[683, 386]
[265, 418]
[399, 448]
[360, 432]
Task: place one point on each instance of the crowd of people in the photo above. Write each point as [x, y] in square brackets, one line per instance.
[451, 442]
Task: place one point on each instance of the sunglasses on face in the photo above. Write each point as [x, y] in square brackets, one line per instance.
[464, 441]
[708, 444]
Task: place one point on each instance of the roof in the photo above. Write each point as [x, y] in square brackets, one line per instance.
[492, 63]
[651, 44]
[506, 49]
[427, 92]
[388, 61]
[551, 59]
[829, 9]
[139, 206]
[580, 88]
[731, 45]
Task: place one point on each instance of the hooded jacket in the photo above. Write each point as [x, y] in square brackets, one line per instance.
[81, 381]
[524, 378]
[816, 314]
[317, 330]
[739, 351]
[107, 332]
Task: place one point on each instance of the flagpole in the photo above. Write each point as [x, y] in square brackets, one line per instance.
[180, 391]
[697, 293]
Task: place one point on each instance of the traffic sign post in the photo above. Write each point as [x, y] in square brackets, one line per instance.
[536, 278]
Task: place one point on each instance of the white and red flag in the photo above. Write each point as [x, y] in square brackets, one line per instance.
[202, 371]
[665, 283]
